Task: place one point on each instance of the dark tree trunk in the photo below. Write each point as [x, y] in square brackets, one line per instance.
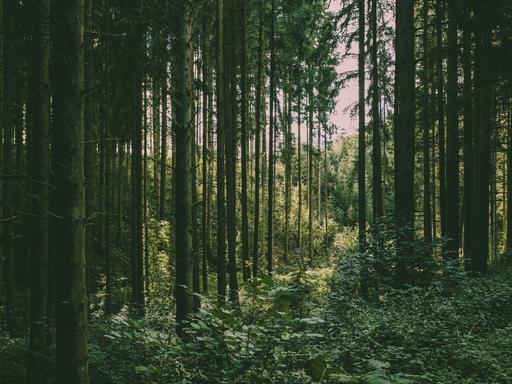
[270, 208]
[452, 143]
[427, 219]
[377, 199]
[469, 181]
[257, 138]
[440, 15]
[184, 137]
[481, 253]
[40, 178]
[221, 138]
[136, 36]
[163, 147]
[243, 139]
[361, 159]
[404, 136]
[68, 145]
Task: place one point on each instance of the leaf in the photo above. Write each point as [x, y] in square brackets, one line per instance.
[141, 369]
[377, 365]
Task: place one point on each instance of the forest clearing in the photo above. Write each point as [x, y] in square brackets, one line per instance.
[184, 197]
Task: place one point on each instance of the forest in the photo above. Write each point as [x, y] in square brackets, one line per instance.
[255, 191]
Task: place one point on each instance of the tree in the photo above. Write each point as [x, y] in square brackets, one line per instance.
[243, 141]
[404, 134]
[257, 139]
[68, 139]
[452, 142]
[184, 135]
[40, 181]
[136, 37]
[270, 217]
[221, 138]
[377, 199]
[361, 159]
[481, 254]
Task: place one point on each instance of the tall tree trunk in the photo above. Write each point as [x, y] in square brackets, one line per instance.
[481, 253]
[184, 137]
[361, 160]
[377, 199]
[40, 177]
[452, 142]
[288, 175]
[10, 16]
[136, 36]
[68, 145]
[243, 139]
[508, 249]
[195, 243]
[221, 138]
[440, 15]
[257, 138]
[404, 136]
[163, 146]
[205, 224]
[90, 148]
[427, 219]
[310, 177]
[2, 113]
[107, 153]
[230, 110]
[469, 181]
[270, 227]
[299, 175]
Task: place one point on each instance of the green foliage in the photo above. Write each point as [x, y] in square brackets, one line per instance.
[437, 335]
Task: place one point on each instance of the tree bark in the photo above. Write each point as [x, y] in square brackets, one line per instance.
[452, 142]
[40, 176]
[404, 136]
[184, 134]
[68, 145]
[361, 160]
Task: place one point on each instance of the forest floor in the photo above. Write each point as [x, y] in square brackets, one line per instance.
[309, 327]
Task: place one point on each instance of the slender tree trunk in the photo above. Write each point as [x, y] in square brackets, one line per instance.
[243, 139]
[427, 219]
[288, 175]
[509, 183]
[2, 113]
[107, 153]
[205, 230]
[195, 240]
[257, 138]
[221, 137]
[137, 37]
[90, 148]
[163, 147]
[230, 110]
[310, 178]
[270, 227]
[8, 117]
[361, 160]
[440, 14]
[68, 144]
[452, 147]
[404, 136]
[40, 177]
[469, 181]
[481, 254]
[377, 199]
[184, 137]
[299, 174]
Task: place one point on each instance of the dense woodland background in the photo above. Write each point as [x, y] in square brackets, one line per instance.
[176, 205]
